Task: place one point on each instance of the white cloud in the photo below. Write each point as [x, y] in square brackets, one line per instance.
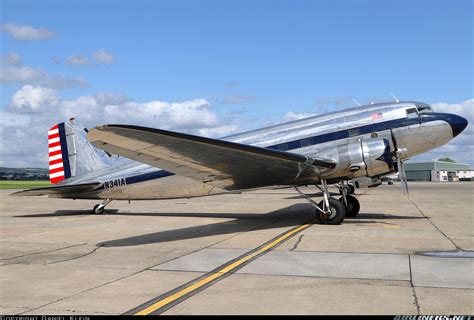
[33, 99]
[33, 110]
[289, 116]
[27, 33]
[106, 98]
[19, 74]
[12, 70]
[11, 58]
[102, 56]
[189, 115]
[218, 131]
[77, 60]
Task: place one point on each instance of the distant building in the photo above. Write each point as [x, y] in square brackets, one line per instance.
[438, 171]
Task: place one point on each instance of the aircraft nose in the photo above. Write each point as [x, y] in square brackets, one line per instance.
[457, 123]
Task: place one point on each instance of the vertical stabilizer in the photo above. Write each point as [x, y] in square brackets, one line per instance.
[59, 168]
[71, 155]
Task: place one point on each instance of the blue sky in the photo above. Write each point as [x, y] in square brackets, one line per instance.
[251, 61]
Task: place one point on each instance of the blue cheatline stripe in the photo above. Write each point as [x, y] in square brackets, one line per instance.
[327, 137]
[344, 134]
[64, 151]
[148, 176]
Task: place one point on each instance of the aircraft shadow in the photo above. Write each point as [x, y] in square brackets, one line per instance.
[283, 218]
[64, 213]
[291, 216]
[381, 216]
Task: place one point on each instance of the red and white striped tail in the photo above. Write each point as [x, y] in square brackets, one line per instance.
[58, 155]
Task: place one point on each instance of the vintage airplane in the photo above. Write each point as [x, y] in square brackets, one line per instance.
[352, 147]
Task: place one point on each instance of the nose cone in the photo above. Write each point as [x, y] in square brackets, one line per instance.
[457, 123]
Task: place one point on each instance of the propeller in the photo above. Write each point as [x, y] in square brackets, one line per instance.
[401, 174]
[401, 170]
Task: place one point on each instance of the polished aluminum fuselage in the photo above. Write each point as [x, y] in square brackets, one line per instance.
[333, 133]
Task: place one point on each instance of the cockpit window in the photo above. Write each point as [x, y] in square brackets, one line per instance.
[412, 113]
[424, 109]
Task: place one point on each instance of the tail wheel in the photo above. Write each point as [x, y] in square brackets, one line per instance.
[336, 214]
[353, 206]
[98, 209]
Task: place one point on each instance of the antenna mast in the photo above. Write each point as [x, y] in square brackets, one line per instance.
[396, 99]
[357, 102]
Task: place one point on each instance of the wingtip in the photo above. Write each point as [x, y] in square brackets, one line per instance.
[20, 193]
[92, 133]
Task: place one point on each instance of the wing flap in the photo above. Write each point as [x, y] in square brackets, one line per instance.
[224, 164]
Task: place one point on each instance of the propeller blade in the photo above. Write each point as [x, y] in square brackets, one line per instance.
[405, 181]
[401, 174]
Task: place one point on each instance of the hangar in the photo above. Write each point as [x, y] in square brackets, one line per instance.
[438, 171]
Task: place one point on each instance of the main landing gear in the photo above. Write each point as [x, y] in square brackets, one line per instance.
[330, 210]
[100, 208]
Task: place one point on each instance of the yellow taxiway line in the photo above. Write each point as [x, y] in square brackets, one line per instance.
[173, 297]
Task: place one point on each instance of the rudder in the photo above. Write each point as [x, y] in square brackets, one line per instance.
[59, 167]
[71, 155]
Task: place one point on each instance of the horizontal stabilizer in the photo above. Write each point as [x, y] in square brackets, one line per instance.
[60, 190]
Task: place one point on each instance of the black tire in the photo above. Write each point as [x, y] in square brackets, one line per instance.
[98, 210]
[338, 211]
[351, 189]
[353, 206]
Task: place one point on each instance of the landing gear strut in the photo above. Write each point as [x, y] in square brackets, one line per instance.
[100, 208]
[329, 210]
[351, 203]
[349, 188]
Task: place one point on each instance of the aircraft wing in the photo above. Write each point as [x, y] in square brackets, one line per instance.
[224, 164]
[60, 190]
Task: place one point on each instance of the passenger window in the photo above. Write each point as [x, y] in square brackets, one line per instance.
[354, 132]
[412, 113]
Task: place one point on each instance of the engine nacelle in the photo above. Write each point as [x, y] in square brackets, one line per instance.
[364, 158]
[373, 155]
[367, 182]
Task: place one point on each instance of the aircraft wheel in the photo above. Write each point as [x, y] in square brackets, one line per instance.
[98, 209]
[353, 206]
[337, 215]
[349, 189]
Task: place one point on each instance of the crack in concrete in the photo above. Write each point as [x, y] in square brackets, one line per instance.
[145, 269]
[77, 257]
[39, 252]
[434, 225]
[415, 298]
[297, 242]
